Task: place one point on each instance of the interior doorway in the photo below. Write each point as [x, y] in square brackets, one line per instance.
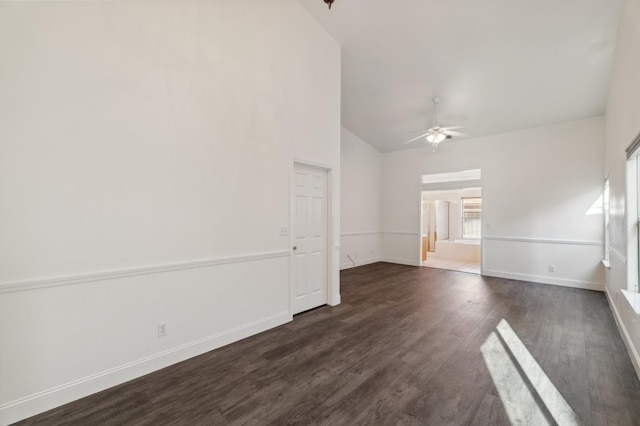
[435, 219]
[451, 223]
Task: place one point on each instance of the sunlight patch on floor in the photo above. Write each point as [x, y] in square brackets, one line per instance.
[527, 394]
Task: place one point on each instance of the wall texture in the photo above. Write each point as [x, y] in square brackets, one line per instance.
[360, 216]
[145, 164]
[622, 127]
[537, 187]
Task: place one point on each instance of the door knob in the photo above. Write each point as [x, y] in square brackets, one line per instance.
[295, 248]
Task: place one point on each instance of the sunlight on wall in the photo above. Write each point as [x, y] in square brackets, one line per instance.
[596, 207]
[527, 394]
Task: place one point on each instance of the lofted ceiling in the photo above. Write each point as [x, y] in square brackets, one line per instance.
[498, 65]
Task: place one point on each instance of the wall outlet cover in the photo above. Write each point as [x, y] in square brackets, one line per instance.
[162, 329]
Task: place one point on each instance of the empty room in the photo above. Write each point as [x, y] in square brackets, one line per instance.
[337, 212]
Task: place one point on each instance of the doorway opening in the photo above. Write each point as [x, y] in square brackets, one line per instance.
[451, 224]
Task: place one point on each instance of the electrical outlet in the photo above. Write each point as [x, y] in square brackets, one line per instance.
[552, 268]
[284, 231]
[162, 329]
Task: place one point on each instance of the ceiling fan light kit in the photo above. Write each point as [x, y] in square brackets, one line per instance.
[436, 138]
[436, 134]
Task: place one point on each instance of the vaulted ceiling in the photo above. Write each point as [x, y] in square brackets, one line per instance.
[498, 65]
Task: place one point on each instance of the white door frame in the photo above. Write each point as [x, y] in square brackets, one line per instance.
[333, 226]
[446, 186]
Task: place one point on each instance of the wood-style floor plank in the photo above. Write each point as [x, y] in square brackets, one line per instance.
[408, 346]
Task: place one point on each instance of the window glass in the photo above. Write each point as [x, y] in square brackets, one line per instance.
[605, 211]
[633, 230]
[471, 218]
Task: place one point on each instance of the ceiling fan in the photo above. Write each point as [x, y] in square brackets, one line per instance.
[437, 134]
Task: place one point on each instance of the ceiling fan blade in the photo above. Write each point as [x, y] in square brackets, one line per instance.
[457, 134]
[417, 137]
[451, 128]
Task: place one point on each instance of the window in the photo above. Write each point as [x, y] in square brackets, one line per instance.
[633, 225]
[633, 285]
[471, 218]
[605, 214]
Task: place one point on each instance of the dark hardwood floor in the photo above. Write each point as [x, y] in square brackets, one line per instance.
[411, 346]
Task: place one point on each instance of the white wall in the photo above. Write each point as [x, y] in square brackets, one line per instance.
[145, 163]
[361, 216]
[537, 186]
[622, 127]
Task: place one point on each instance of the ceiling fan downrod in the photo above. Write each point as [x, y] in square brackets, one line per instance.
[329, 2]
[436, 101]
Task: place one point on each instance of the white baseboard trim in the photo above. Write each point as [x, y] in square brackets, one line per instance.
[42, 401]
[541, 279]
[400, 261]
[633, 353]
[359, 263]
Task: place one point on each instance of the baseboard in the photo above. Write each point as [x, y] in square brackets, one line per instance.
[541, 279]
[635, 357]
[360, 263]
[400, 261]
[42, 401]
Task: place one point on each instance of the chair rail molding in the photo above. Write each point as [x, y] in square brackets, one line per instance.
[543, 240]
[360, 233]
[412, 234]
[11, 287]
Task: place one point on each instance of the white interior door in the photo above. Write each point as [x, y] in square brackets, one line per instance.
[309, 233]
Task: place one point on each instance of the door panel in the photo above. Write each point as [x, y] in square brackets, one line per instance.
[309, 238]
[316, 283]
[300, 218]
[300, 271]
